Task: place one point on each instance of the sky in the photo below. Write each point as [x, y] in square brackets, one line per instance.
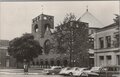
[16, 17]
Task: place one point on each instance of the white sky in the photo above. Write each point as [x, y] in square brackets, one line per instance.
[16, 17]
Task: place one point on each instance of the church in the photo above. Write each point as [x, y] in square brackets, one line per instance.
[41, 29]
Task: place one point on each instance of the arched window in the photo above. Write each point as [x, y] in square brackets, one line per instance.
[36, 28]
[52, 63]
[46, 63]
[58, 62]
[41, 63]
[47, 26]
[37, 63]
[65, 62]
[33, 63]
[47, 46]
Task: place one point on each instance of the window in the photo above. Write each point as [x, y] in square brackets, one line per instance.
[47, 46]
[37, 63]
[118, 59]
[108, 59]
[91, 42]
[116, 42]
[108, 41]
[101, 40]
[101, 57]
[36, 28]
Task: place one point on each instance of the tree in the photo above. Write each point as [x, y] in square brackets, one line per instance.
[24, 48]
[117, 19]
[61, 35]
[72, 38]
[117, 34]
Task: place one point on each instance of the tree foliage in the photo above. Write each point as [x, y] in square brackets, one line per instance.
[24, 47]
[72, 37]
[117, 36]
[117, 19]
[61, 35]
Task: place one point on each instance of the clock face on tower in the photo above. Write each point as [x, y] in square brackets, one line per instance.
[49, 18]
[45, 18]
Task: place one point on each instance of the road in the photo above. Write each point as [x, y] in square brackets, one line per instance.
[30, 75]
[20, 73]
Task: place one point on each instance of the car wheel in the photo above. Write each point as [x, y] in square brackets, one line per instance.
[53, 73]
[48, 73]
[71, 74]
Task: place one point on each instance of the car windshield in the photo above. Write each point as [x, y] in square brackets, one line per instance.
[69, 68]
[94, 68]
[73, 68]
[55, 67]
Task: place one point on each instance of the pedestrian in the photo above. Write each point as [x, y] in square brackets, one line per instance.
[25, 69]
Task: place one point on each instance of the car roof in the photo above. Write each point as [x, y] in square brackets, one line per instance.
[112, 66]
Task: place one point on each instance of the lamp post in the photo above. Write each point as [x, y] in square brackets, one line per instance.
[71, 41]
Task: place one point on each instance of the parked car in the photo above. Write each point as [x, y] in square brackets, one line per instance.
[78, 71]
[70, 71]
[93, 72]
[53, 70]
[110, 71]
[64, 71]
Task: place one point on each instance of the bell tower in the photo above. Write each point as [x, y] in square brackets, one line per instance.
[40, 24]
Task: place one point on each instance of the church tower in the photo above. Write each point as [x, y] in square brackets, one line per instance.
[40, 25]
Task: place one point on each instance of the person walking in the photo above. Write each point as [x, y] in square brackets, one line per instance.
[25, 69]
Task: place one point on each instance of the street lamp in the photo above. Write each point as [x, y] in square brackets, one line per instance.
[71, 23]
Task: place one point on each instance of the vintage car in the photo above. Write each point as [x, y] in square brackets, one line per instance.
[110, 71]
[70, 71]
[53, 70]
[64, 70]
[103, 71]
[78, 71]
[93, 72]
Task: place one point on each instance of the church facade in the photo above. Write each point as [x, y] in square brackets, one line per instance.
[41, 29]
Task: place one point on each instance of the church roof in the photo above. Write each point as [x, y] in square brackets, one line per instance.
[90, 19]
